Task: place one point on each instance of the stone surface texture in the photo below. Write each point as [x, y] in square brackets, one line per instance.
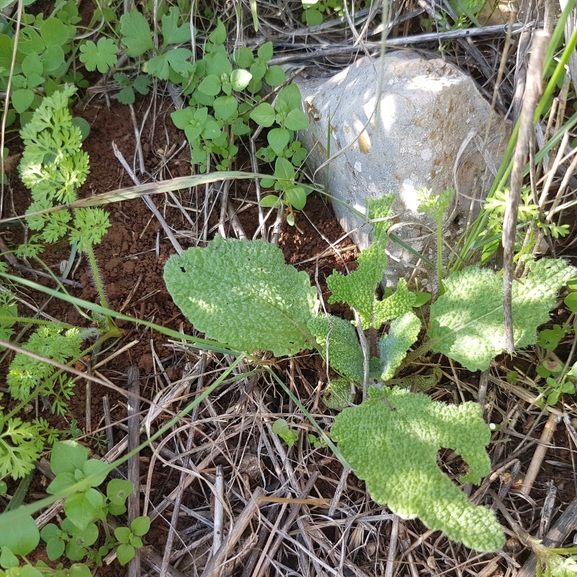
[430, 130]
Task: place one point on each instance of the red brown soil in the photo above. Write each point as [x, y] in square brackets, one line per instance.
[132, 256]
[133, 253]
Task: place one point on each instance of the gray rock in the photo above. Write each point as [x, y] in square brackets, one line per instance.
[428, 132]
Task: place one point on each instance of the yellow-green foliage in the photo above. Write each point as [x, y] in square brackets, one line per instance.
[392, 440]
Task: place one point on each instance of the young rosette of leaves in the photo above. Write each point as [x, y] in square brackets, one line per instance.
[242, 294]
[392, 440]
[130, 538]
[76, 476]
[357, 289]
[467, 320]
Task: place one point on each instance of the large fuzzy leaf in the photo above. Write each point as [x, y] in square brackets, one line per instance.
[467, 320]
[392, 440]
[243, 294]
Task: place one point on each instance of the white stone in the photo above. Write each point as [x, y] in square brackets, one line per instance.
[428, 132]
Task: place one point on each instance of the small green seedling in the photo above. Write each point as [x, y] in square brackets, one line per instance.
[130, 539]
[316, 442]
[86, 507]
[281, 428]
[292, 194]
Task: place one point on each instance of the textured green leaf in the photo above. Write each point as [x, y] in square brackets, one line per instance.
[392, 440]
[400, 302]
[394, 345]
[467, 320]
[338, 394]
[243, 294]
[357, 289]
[344, 353]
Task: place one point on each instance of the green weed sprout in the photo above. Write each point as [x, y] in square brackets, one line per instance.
[242, 294]
[222, 92]
[86, 507]
[281, 428]
[54, 167]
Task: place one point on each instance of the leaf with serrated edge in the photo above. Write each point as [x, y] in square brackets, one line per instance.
[392, 440]
[467, 320]
[243, 294]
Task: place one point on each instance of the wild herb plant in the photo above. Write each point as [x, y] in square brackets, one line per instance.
[223, 95]
[76, 536]
[529, 214]
[54, 167]
[241, 293]
[42, 59]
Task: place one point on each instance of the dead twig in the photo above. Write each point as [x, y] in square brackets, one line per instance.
[530, 99]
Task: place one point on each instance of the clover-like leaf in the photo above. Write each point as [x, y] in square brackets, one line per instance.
[99, 56]
[242, 293]
[467, 320]
[392, 440]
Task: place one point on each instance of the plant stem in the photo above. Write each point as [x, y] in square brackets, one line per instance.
[440, 253]
[96, 274]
